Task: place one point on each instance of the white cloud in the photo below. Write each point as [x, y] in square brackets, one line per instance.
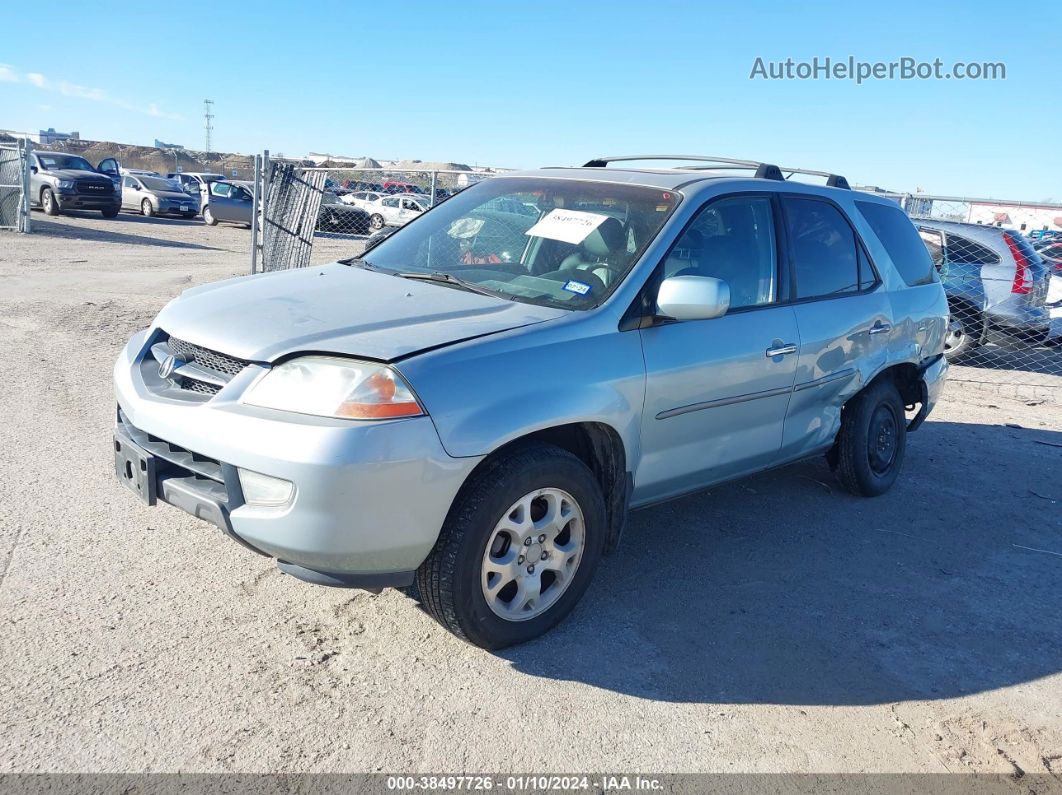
[8, 74]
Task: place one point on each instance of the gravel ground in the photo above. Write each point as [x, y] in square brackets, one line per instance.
[775, 624]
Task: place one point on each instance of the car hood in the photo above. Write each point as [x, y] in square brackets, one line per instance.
[337, 309]
[75, 173]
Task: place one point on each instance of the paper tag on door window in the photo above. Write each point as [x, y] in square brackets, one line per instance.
[569, 226]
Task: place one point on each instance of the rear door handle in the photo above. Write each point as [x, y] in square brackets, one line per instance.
[781, 350]
[880, 328]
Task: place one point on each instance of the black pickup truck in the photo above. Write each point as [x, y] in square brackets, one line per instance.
[60, 181]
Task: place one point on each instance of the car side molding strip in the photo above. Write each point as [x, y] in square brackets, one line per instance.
[727, 401]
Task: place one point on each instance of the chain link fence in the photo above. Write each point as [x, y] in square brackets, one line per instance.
[1000, 262]
[356, 203]
[14, 186]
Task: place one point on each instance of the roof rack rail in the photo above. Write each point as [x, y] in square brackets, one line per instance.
[761, 170]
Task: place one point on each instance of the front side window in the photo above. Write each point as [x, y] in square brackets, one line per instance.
[824, 257]
[733, 240]
[570, 245]
[128, 182]
[934, 243]
[220, 188]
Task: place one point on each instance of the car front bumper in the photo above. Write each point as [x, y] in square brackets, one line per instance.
[78, 201]
[370, 497]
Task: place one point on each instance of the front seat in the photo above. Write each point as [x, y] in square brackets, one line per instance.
[595, 251]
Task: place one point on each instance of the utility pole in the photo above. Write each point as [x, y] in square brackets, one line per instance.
[208, 115]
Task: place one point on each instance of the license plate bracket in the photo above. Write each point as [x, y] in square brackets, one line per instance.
[136, 468]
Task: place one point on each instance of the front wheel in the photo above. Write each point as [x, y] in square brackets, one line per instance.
[110, 212]
[376, 221]
[147, 208]
[49, 203]
[208, 217]
[872, 440]
[518, 548]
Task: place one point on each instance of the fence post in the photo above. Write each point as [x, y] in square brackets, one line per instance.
[255, 208]
[27, 152]
[431, 198]
[266, 168]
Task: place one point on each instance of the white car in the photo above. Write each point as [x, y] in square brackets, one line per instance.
[362, 198]
[394, 210]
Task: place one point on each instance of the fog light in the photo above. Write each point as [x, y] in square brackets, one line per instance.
[266, 491]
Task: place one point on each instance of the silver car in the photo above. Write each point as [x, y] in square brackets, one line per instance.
[470, 408]
[994, 280]
[152, 196]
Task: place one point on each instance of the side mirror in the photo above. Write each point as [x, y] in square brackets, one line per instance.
[693, 298]
[33, 169]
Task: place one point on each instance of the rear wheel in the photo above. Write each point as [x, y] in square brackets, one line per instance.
[872, 440]
[49, 203]
[209, 216]
[376, 221]
[965, 331]
[147, 208]
[517, 550]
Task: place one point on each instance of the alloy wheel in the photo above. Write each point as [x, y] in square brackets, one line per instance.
[532, 554]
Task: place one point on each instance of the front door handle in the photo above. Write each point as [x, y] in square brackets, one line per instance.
[880, 328]
[781, 350]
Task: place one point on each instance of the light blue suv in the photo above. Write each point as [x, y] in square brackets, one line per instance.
[470, 408]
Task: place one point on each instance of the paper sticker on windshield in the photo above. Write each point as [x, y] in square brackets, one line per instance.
[579, 288]
[568, 226]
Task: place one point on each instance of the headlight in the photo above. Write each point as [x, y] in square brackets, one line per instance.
[327, 386]
[66, 184]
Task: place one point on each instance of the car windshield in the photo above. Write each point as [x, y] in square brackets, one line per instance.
[557, 242]
[158, 183]
[74, 162]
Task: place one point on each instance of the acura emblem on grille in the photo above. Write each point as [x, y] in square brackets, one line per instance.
[168, 365]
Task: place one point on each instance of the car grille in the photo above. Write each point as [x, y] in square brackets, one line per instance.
[204, 357]
[216, 369]
[94, 187]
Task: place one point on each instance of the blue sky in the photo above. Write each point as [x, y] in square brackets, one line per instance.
[555, 83]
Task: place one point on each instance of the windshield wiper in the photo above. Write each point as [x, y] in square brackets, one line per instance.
[441, 277]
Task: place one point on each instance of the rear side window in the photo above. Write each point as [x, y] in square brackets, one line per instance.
[825, 253]
[897, 234]
[961, 250]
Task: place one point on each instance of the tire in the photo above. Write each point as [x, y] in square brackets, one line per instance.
[49, 203]
[966, 328]
[111, 212]
[208, 217]
[376, 221]
[452, 583]
[147, 209]
[872, 440]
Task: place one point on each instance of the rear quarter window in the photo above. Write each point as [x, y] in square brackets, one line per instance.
[900, 239]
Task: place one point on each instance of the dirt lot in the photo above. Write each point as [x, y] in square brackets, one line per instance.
[775, 624]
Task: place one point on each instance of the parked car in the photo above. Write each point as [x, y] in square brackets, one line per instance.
[196, 183]
[362, 198]
[994, 281]
[337, 215]
[231, 201]
[479, 432]
[59, 182]
[394, 210]
[157, 196]
[397, 186]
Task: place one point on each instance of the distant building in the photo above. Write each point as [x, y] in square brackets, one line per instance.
[163, 145]
[50, 136]
[1020, 216]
